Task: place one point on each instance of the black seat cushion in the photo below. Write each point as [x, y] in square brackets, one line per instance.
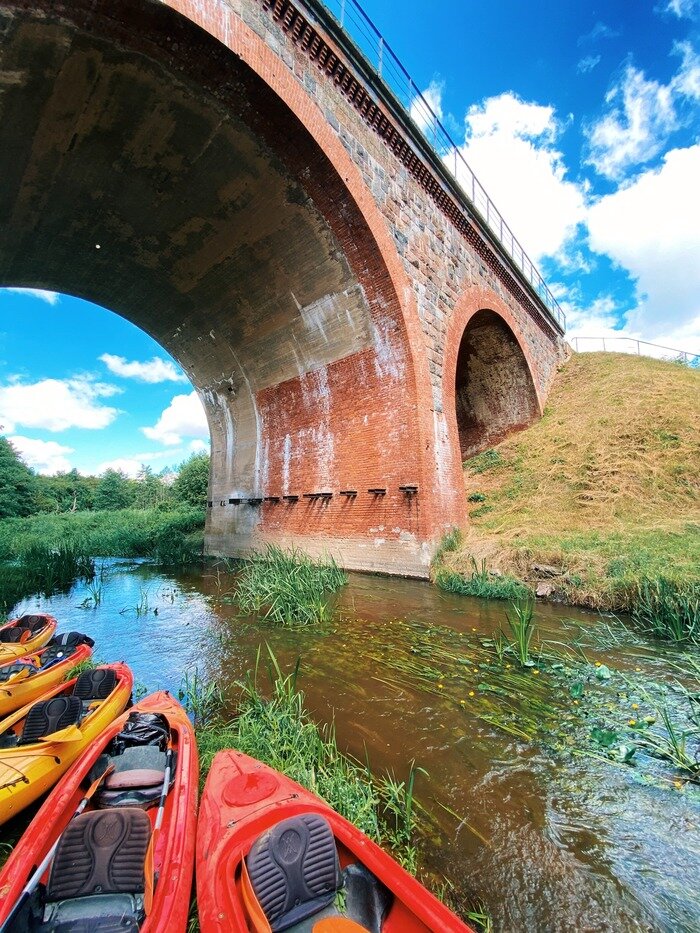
[293, 869]
[54, 653]
[7, 670]
[48, 716]
[11, 635]
[96, 684]
[101, 852]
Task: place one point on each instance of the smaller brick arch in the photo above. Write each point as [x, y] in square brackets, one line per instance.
[490, 389]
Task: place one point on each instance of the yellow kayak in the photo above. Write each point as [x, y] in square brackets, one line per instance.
[24, 635]
[26, 679]
[39, 742]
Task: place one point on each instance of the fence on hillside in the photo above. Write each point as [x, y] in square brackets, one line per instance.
[632, 345]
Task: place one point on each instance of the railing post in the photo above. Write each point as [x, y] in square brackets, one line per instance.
[381, 56]
[342, 13]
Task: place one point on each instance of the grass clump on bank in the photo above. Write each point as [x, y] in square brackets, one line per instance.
[480, 582]
[287, 586]
[604, 489]
[277, 730]
[668, 610]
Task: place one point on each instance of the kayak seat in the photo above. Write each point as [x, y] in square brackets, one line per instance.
[96, 684]
[137, 779]
[32, 622]
[71, 640]
[9, 636]
[9, 670]
[97, 877]
[48, 716]
[293, 871]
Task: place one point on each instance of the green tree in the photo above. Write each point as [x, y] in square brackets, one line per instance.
[150, 490]
[192, 482]
[114, 491]
[17, 483]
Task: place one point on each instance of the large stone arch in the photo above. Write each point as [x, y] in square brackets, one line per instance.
[233, 227]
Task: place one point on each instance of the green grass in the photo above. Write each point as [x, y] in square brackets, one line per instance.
[288, 587]
[276, 729]
[165, 536]
[480, 583]
[667, 609]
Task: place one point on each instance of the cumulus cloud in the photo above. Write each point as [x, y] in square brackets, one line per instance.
[131, 466]
[152, 371]
[56, 404]
[51, 298]
[184, 417]
[641, 114]
[46, 457]
[649, 227]
[511, 147]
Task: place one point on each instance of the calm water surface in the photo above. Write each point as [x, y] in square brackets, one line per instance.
[547, 838]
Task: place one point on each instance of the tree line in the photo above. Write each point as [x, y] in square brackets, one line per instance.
[24, 492]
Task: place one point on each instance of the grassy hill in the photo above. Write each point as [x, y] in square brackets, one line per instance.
[605, 488]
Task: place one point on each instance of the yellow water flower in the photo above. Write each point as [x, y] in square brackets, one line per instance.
[633, 722]
[597, 663]
[678, 784]
[471, 693]
[441, 686]
[635, 706]
[535, 671]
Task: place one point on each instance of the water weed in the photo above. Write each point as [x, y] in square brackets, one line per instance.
[520, 622]
[288, 587]
[669, 610]
[481, 583]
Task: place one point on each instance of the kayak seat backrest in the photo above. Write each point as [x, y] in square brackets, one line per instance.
[97, 875]
[367, 900]
[137, 779]
[8, 670]
[96, 684]
[9, 636]
[33, 623]
[49, 716]
[293, 870]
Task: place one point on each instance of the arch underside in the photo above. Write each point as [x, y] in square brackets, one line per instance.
[495, 393]
[225, 233]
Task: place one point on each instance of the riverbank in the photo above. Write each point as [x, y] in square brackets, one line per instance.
[602, 495]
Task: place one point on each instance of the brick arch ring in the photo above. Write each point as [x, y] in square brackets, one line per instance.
[219, 20]
[470, 304]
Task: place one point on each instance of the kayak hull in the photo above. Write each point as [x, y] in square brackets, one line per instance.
[10, 651]
[174, 853]
[32, 689]
[28, 771]
[242, 798]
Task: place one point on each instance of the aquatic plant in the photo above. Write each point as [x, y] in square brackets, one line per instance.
[667, 609]
[673, 745]
[287, 586]
[520, 622]
[481, 583]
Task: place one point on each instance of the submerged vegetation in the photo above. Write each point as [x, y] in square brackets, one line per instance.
[277, 730]
[288, 587]
[603, 491]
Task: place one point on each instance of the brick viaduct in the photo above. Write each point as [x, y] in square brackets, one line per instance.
[222, 174]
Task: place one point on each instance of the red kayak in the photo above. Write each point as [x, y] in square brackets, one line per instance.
[272, 856]
[112, 847]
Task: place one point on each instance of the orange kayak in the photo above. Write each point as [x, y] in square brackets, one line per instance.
[40, 741]
[271, 855]
[106, 855]
[26, 679]
[24, 635]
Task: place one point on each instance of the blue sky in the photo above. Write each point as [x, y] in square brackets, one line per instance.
[581, 120]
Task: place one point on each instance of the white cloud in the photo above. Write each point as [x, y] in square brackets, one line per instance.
[421, 114]
[199, 446]
[56, 404]
[131, 465]
[587, 64]
[51, 298]
[599, 31]
[650, 228]
[510, 146]
[184, 417]
[641, 115]
[46, 457]
[155, 370]
[683, 9]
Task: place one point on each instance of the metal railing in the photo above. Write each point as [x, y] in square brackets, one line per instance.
[635, 347]
[366, 37]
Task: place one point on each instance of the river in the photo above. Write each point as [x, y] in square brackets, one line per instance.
[523, 809]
